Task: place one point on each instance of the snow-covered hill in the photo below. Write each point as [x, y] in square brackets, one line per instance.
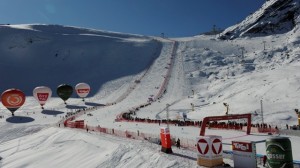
[125, 70]
[49, 55]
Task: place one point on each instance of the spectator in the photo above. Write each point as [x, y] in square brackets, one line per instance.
[264, 160]
[178, 143]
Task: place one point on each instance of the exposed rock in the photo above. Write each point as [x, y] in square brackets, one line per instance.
[274, 17]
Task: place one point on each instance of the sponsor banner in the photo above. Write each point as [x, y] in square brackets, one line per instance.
[244, 154]
[42, 96]
[164, 130]
[14, 100]
[242, 146]
[80, 91]
[279, 152]
[165, 137]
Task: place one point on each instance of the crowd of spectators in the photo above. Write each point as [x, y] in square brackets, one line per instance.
[215, 124]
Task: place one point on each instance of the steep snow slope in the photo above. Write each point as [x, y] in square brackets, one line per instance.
[52, 55]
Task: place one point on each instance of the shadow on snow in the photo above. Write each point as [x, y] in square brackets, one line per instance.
[75, 107]
[19, 119]
[93, 104]
[51, 112]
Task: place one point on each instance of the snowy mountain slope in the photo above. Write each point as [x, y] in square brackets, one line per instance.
[274, 17]
[55, 54]
[240, 72]
[128, 69]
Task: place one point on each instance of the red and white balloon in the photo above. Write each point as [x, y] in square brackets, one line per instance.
[42, 94]
[82, 90]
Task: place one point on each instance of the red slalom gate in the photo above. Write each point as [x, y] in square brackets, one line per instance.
[227, 117]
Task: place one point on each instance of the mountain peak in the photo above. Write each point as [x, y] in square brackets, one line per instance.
[274, 17]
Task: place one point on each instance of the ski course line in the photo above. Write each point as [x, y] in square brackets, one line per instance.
[123, 96]
[164, 84]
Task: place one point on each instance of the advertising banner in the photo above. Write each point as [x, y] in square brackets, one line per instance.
[279, 152]
[210, 152]
[165, 138]
[244, 154]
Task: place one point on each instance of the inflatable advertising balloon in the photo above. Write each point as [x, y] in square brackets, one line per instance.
[64, 91]
[42, 94]
[82, 90]
[13, 99]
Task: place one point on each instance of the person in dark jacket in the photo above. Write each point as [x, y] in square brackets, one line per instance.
[178, 143]
[264, 160]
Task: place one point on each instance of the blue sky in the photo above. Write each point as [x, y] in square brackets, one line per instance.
[174, 18]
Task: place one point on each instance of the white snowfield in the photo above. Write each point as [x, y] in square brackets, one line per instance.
[124, 71]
